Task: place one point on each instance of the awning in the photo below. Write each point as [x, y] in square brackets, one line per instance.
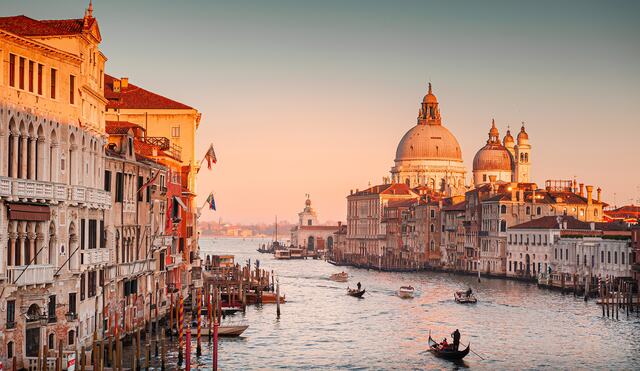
[32, 213]
[179, 201]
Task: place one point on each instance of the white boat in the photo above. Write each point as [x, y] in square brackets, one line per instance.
[462, 298]
[282, 254]
[406, 292]
[340, 277]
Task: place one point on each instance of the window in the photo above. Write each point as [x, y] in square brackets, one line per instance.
[11, 313]
[93, 233]
[40, 69]
[72, 302]
[566, 254]
[31, 71]
[72, 337]
[83, 225]
[615, 257]
[10, 350]
[51, 341]
[82, 286]
[608, 257]
[92, 284]
[103, 235]
[432, 228]
[175, 131]
[21, 72]
[140, 184]
[601, 256]
[539, 210]
[12, 70]
[503, 226]
[503, 209]
[528, 210]
[107, 181]
[433, 213]
[119, 187]
[130, 146]
[622, 258]
[560, 254]
[72, 89]
[51, 309]
[53, 83]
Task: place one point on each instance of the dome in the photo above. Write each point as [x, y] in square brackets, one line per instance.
[492, 157]
[508, 139]
[424, 142]
[522, 135]
[430, 97]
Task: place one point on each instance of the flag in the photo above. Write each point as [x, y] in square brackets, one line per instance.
[211, 202]
[153, 178]
[210, 157]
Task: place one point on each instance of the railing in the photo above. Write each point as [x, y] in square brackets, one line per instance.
[164, 144]
[95, 256]
[33, 274]
[42, 191]
[139, 266]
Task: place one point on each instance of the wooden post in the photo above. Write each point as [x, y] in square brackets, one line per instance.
[209, 310]
[171, 316]
[45, 351]
[188, 349]
[60, 354]
[199, 297]
[278, 299]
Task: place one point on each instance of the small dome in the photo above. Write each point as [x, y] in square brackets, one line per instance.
[424, 142]
[493, 132]
[430, 97]
[508, 139]
[522, 134]
[492, 157]
[307, 202]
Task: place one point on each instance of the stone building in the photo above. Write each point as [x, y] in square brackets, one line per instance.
[428, 154]
[452, 238]
[52, 206]
[309, 234]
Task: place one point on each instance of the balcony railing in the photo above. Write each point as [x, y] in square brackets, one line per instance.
[49, 192]
[95, 256]
[33, 275]
[164, 144]
[136, 267]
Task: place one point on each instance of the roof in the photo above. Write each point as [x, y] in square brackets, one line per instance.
[400, 203]
[547, 197]
[627, 212]
[24, 26]
[460, 206]
[135, 97]
[120, 127]
[319, 228]
[551, 222]
[386, 189]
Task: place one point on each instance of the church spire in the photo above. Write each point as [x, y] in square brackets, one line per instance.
[429, 112]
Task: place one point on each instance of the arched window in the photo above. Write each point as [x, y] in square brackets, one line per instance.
[503, 226]
[433, 246]
[539, 210]
[432, 228]
[71, 337]
[528, 210]
[503, 209]
[51, 341]
[10, 350]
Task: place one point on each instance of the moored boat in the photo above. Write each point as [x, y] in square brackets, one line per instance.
[406, 292]
[223, 331]
[340, 277]
[282, 254]
[355, 293]
[447, 353]
[463, 297]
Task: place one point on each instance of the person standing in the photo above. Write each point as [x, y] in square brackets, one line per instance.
[359, 286]
[456, 339]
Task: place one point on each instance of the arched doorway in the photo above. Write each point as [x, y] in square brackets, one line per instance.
[32, 331]
[310, 243]
[330, 243]
[527, 259]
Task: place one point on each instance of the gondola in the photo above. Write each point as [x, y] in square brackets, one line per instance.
[462, 298]
[449, 354]
[355, 293]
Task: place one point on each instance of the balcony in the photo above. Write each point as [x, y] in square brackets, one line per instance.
[52, 193]
[33, 275]
[95, 256]
[136, 267]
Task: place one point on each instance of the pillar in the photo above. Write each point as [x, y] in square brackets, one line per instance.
[41, 159]
[15, 136]
[20, 250]
[24, 140]
[31, 166]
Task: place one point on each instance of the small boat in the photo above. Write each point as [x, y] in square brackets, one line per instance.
[462, 298]
[226, 311]
[282, 254]
[223, 331]
[340, 277]
[447, 353]
[355, 293]
[406, 292]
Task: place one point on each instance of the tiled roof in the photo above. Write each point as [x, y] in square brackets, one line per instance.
[460, 206]
[120, 127]
[624, 212]
[551, 222]
[319, 228]
[388, 189]
[401, 203]
[135, 97]
[24, 26]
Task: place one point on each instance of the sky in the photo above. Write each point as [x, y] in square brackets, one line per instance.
[313, 97]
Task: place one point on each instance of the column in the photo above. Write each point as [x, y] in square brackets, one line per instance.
[33, 248]
[15, 136]
[54, 160]
[31, 166]
[20, 249]
[41, 159]
[23, 155]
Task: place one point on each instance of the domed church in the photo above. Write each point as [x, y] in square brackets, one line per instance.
[506, 161]
[428, 154]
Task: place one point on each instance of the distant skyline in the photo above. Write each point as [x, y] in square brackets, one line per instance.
[313, 96]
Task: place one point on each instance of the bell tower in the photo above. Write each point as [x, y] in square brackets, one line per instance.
[522, 157]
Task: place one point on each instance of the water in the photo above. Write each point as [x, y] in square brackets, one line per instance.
[513, 326]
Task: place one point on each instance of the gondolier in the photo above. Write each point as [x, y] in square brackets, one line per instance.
[456, 339]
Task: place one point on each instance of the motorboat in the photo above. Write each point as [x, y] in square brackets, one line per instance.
[340, 277]
[464, 297]
[406, 292]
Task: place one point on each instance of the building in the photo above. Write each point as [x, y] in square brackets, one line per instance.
[628, 214]
[428, 154]
[563, 249]
[309, 234]
[452, 238]
[52, 205]
[366, 235]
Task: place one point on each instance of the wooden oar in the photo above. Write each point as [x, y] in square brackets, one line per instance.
[482, 358]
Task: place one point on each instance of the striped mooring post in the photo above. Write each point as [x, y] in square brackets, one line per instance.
[199, 297]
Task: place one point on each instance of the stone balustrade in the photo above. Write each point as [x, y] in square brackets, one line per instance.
[38, 274]
[52, 193]
[95, 256]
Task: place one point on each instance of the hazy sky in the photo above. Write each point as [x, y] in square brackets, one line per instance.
[313, 96]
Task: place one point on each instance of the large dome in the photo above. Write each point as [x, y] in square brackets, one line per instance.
[492, 157]
[428, 142]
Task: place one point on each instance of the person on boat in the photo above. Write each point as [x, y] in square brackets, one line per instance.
[469, 292]
[456, 339]
[444, 344]
[359, 286]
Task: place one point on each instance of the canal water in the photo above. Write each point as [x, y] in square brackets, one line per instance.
[513, 326]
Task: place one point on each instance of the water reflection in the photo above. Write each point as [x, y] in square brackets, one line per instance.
[514, 325]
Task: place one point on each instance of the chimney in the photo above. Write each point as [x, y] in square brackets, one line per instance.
[564, 224]
[589, 195]
[533, 196]
[581, 190]
[521, 195]
[599, 190]
[351, 191]
[513, 194]
[116, 86]
[592, 225]
[125, 82]
[492, 179]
